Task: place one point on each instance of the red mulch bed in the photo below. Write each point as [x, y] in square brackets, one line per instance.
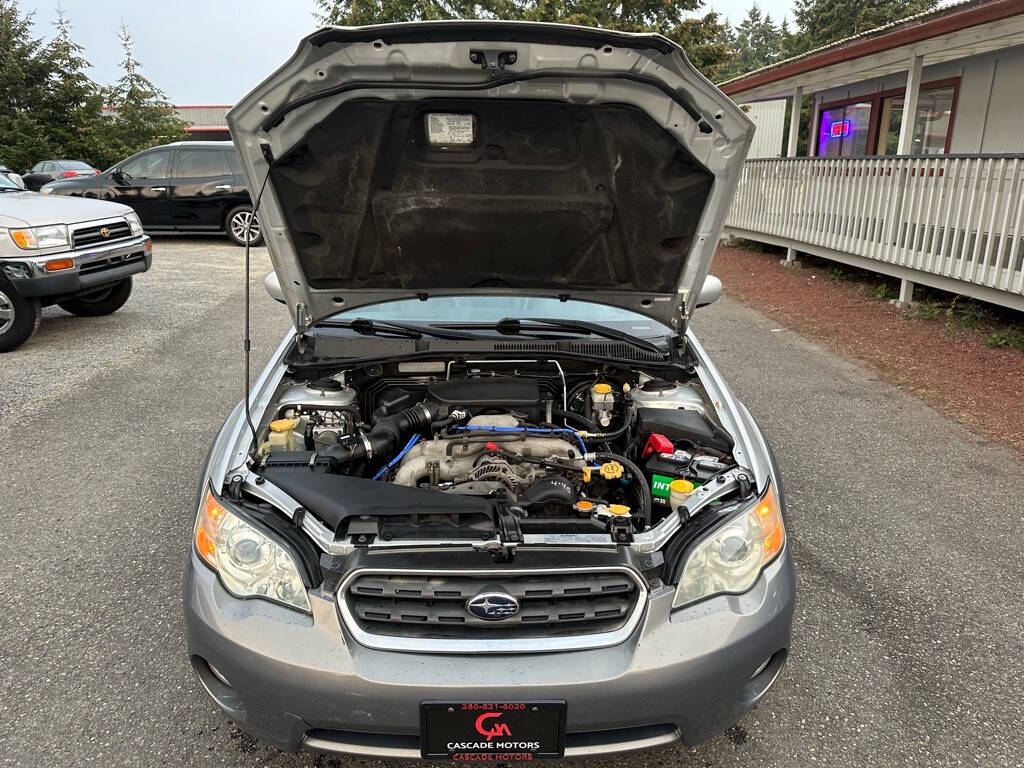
[950, 368]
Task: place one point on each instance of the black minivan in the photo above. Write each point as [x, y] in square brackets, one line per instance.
[189, 186]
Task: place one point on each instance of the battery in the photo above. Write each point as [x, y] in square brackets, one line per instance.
[663, 468]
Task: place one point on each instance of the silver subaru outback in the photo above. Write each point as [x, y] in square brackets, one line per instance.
[491, 500]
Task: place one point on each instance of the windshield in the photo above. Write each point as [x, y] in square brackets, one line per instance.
[456, 310]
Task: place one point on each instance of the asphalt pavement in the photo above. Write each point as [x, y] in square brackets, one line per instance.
[906, 530]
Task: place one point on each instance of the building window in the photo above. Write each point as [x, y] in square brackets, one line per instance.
[931, 123]
[870, 125]
[843, 130]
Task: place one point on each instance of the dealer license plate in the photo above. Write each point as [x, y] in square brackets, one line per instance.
[506, 732]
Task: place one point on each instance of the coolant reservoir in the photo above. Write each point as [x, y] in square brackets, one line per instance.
[281, 436]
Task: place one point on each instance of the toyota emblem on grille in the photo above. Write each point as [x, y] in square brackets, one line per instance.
[104, 232]
[492, 606]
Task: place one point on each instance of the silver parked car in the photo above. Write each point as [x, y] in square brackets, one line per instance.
[491, 500]
[78, 253]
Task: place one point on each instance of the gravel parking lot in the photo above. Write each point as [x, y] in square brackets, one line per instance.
[905, 528]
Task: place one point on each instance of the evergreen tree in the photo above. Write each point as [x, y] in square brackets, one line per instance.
[757, 42]
[24, 77]
[820, 22]
[142, 117]
[73, 105]
[701, 37]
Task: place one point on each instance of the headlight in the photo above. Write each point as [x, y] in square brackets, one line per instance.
[34, 238]
[249, 563]
[733, 556]
[134, 222]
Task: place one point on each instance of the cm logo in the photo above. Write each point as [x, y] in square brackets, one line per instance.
[498, 729]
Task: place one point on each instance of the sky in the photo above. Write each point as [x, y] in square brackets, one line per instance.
[214, 52]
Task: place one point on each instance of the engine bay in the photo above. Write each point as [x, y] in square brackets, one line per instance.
[453, 450]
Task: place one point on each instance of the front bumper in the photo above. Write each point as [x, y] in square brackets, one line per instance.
[92, 267]
[300, 681]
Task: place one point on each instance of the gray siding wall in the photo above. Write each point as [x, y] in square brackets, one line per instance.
[203, 116]
[989, 111]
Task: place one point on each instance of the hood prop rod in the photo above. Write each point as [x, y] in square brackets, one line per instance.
[247, 345]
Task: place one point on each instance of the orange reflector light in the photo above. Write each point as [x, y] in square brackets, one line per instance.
[207, 524]
[56, 265]
[769, 517]
[149, 246]
[23, 238]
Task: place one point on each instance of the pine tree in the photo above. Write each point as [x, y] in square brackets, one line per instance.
[701, 36]
[820, 22]
[757, 42]
[142, 117]
[73, 106]
[24, 77]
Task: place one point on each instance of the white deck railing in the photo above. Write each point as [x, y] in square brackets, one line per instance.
[951, 221]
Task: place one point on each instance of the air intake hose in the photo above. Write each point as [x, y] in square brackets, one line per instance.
[386, 434]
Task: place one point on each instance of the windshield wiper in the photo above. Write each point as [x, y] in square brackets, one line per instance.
[511, 326]
[367, 327]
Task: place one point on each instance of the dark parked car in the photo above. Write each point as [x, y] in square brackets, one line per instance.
[190, 186]
[46, 171]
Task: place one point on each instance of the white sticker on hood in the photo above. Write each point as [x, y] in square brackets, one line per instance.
[448, 129]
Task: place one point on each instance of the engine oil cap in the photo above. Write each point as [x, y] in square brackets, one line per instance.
[611, 470]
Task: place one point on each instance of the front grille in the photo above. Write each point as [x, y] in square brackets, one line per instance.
[114, 261]
[87, 236]
[433, 606]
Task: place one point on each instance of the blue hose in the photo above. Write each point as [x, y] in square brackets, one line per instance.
[383, 470]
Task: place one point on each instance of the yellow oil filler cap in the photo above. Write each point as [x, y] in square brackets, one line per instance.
[283, 425]
[611, 470]
[602, 389]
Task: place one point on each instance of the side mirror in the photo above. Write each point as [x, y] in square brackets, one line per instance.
[117, 176]
[710, 292]
[273, 286]
[16, 178]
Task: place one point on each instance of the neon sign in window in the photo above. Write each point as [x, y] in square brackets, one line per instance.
[843, 130]
[840, 129]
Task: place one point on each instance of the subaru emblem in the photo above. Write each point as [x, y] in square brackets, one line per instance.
[104, 232]
[492, 606]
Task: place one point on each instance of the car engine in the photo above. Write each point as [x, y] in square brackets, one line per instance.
[555, 447]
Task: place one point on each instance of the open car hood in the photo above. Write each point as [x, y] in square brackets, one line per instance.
[509, 158]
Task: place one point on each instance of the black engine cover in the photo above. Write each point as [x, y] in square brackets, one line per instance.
[489, 394]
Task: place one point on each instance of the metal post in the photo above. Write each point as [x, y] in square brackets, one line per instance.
[906, 143]
[794, 137]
